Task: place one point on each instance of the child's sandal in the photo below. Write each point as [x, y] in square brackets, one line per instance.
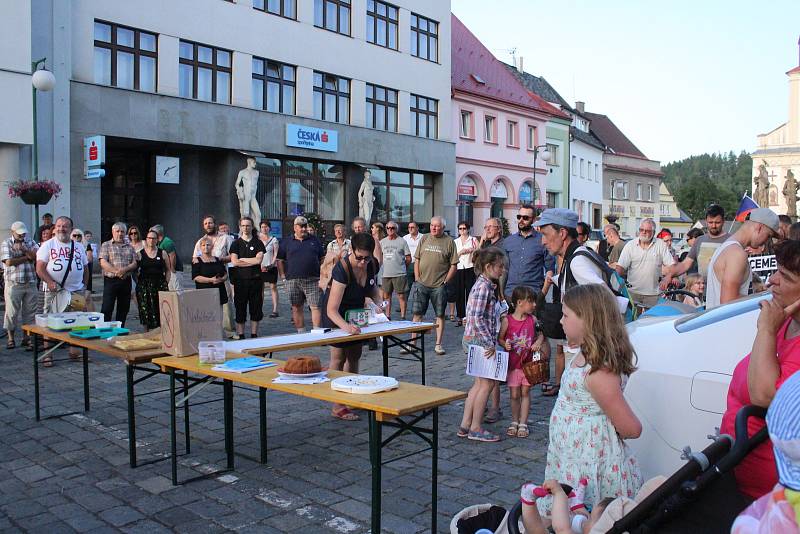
[522, 430]
[512, 429]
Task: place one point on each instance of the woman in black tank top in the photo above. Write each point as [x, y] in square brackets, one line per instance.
[151, 278]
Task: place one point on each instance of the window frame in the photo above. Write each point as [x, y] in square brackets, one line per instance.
[340, 4]
[281, 11]
[512, 128]
[214, 67]
[376, 16]
[574, 167]
[487, 138]
[469, 133]
[266, 79]
[336, 92]
[416, 111]
[388, 105]
[639, 191]
[136, 51]
[417, 33]
[553, 149]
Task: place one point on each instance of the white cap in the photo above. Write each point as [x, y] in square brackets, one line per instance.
[19, 228]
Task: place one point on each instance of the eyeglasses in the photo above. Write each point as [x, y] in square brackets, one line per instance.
[524, 217]
[361, 259]
[581, 234]
[133, 233]
[301, 225]
[391, 228]
[646, 230]
[77, 236]
[462, 227]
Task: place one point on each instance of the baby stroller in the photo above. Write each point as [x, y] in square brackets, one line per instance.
[681, 504]
[670, 303]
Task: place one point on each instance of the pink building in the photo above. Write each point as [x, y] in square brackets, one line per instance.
[497, 125]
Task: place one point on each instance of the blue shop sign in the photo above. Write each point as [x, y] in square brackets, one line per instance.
[314, 138]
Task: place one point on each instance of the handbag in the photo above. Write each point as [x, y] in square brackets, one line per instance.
[537, 369]
[549, 315]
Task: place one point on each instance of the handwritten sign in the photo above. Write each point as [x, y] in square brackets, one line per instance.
[479, 365]
[187, 318]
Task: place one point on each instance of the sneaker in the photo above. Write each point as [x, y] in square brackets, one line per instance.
[273, 315]
[483, 435]
[439, 350]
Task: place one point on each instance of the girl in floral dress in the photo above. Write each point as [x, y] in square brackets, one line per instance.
[591, 418]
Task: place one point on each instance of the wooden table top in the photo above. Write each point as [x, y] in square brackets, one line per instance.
[98, 345]
[425, 327]
[406, 399]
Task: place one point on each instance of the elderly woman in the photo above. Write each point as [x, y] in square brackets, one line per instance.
[352, 282]
[152, 277]
[209, 272]
[774, 358]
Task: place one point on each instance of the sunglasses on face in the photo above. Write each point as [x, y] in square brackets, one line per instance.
[581, 235]
[462, 227]
[361, 259]
[524, 217]
[302, 225]
[77, 236]
[391, 228]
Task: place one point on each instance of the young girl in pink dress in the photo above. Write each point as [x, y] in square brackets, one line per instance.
[519, 337]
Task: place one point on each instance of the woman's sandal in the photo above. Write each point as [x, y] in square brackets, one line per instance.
[513, 429]
[522, 430]
[462, 432]
[345, 414]
[47, 361]
[11, 344]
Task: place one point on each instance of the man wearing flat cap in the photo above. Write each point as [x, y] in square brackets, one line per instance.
[18, 254]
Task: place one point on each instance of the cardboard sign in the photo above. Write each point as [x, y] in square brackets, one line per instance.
[187, 318]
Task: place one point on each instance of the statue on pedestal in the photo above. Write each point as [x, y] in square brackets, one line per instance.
[246, 187]
[790, 187]
[366, 197]
[761, 193]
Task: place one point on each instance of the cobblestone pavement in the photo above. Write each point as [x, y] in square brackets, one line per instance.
[72, 474]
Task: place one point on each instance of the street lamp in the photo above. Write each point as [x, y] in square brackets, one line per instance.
[42, 80]
[611, 217]
[545, 157]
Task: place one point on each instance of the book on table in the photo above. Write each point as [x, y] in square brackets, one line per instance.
[243, 365]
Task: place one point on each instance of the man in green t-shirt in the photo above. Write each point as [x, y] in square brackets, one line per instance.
[434, 266]
[174, 264]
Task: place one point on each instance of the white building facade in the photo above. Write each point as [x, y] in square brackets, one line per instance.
[205, 82]
[585, 171]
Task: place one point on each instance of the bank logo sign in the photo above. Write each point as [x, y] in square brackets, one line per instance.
[313, 138]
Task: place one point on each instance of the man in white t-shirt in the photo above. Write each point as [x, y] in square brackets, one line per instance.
[643, 260]
[56, 258]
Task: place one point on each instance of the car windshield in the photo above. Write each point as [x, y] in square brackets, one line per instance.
[720, 313]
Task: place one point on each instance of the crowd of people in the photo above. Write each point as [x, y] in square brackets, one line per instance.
[538, 290]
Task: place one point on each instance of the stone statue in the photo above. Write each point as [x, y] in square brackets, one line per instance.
[246, 187]
[366, 197]
[761, 193]
[790, 187]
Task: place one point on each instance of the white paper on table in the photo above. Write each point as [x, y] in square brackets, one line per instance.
[287, 380]
[479, 365]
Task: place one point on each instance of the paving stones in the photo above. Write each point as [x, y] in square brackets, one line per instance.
[71, 473]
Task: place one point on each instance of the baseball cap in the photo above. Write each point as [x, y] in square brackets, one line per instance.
[19, 228]
[300, 220]
[767, 217]
[783, 422]
[560, 216]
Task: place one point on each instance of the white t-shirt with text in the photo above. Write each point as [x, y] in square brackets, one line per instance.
[56, 254]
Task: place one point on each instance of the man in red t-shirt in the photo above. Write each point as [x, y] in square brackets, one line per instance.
[774, 358]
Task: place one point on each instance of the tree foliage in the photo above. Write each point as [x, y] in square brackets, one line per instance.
[698, 181]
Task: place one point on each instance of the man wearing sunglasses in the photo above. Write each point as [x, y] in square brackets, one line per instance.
[299, 258]
[528, 260]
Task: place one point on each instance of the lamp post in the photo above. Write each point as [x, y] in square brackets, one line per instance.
[42, 80]
[545, 157]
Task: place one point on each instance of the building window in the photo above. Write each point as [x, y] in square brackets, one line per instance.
[205, 73]
[331, 98]
[589, 169]
[488, 129]
[511, 134]
[583, 168]
[466, 124]
[621, 190]
[273, 86]
[552, 199]
[124, 57]
[650, 192]
[596, 172]
[638, 191]
[402, 196]
[664, 210]
[574, 166]
[424, 38]
[382, 24]
[553, 149]
[424, 116]
[531, 137]
[333, 15]
[381, 108]
[283, 8]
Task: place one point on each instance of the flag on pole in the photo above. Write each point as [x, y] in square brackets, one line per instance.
[745, 207]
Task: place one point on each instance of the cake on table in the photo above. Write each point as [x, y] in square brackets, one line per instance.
[302, 365]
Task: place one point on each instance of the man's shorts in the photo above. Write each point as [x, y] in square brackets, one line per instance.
[396, 284]
[303, 290]
[420, 295]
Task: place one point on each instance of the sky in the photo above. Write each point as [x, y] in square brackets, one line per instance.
[679, 78]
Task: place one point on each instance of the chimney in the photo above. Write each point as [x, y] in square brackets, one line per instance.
[579, 106]
[523, 70]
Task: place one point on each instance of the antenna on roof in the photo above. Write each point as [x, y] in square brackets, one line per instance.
[513, 52]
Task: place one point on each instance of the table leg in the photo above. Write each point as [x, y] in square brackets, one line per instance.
[36, 375]
[422, 353]
[85, 380]
[262, 413]
[385, 355]
[375, 438]
[172, 423]
[228, 410]
[131, 416]
[434, 467]
[186, 409]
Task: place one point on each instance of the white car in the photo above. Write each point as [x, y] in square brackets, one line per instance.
[685, 364]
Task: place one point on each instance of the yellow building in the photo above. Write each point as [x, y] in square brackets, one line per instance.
[780, 149]
[671, 216]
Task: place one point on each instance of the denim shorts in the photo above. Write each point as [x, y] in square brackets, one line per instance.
[421, 295]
